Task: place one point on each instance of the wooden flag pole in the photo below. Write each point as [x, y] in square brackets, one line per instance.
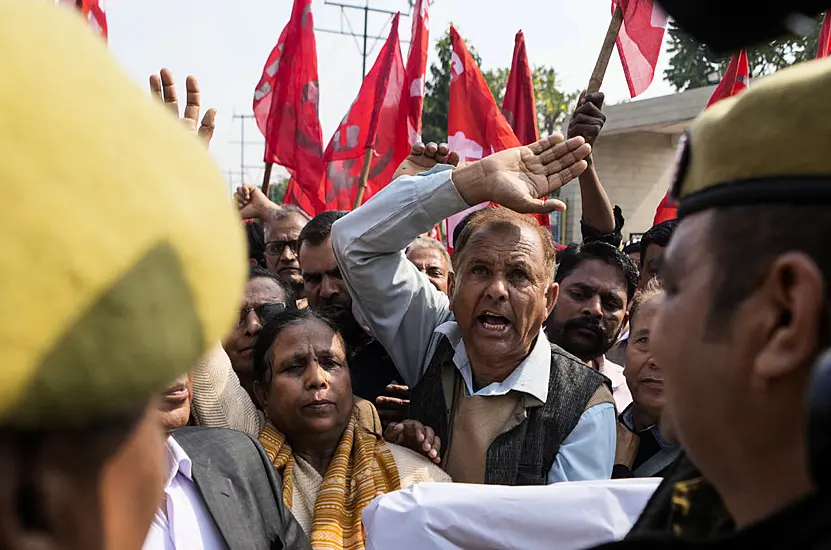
[266, 179]
[602, 64]
[359, 198]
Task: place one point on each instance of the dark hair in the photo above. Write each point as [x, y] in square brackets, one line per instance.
[746, 240]
[319, 228]
[263, 363]
[659, 235]
[256, 272]
[632, 248]
[575, 254]
[457, 231]
[256, 242]
[492, 216]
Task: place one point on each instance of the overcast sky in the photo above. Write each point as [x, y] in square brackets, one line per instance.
[225, 43]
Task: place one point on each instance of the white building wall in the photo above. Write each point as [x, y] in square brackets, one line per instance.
[634, 168]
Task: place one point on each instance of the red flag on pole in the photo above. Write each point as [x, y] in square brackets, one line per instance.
[286, 109]
[824, 49]
[417, 67]
[92, 11]
[519, 106]
[376, 122]
[639, 41]
[475, 125]
[736, 78]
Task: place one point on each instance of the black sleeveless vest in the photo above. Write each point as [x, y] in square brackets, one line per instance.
[525, 454]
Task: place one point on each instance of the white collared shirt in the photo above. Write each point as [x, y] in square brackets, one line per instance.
[185, 522]
[620, 389]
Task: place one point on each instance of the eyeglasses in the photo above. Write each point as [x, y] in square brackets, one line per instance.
[265, 312]
[275, 248]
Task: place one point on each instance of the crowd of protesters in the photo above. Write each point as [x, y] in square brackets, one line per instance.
[364, 358]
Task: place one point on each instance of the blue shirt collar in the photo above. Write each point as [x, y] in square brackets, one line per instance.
[531, 377]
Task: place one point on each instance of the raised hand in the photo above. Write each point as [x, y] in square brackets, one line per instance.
[253, 203]
[521, 178]
[163, 87]
[423, 157]
[588, 118]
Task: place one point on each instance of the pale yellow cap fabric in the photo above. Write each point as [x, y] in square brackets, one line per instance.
[770, 143]
[122, 259]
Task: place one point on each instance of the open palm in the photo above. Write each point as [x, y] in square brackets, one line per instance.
[522, 177]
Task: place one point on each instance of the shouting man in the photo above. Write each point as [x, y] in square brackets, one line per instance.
[512, 409]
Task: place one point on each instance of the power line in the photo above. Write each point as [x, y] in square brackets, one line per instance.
[367, 9]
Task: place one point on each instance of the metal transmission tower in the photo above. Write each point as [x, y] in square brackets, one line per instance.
[367, 9]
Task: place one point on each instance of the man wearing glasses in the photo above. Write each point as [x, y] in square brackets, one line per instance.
[281, 232]
[265, 296]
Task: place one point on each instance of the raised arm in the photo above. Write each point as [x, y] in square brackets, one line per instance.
[599, 221]
[400, 306]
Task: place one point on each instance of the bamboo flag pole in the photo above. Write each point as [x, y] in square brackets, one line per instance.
[602, 64]
[359, 198]
[266, 179]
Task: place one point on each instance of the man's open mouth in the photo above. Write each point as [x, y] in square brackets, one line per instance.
[493, 322]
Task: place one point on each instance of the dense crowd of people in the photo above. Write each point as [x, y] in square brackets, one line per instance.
[166, 400]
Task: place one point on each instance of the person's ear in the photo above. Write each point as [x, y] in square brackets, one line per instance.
[260, 394]
[793, 294]
[551, 294]
[624, 322]
[451, 288]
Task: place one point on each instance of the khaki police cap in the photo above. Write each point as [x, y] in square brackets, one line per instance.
[771, 143]
[121, 257]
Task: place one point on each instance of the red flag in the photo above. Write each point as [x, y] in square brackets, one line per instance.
[824, 49]
[377, 121]
[667, 210]
[417, 67]
[285, 106]
[639, 41]
[475, 125]
[92, 11]
[736, 78]
[519, 106]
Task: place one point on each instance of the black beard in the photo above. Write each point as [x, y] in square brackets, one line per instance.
[564, 337]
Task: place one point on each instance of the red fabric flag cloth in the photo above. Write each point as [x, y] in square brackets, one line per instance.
[475, 125]
[667, 210]
[376, 121]
[824, 49]
[736, 78]
[417, 68]
[639, 41]
[519, 106]
[92, 11]
[286, 108]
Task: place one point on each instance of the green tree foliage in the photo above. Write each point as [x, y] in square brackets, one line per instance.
[552, 103]
[437, 93]
[692, 64]
[277, 190]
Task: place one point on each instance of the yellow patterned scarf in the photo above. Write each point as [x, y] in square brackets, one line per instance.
[361, 467]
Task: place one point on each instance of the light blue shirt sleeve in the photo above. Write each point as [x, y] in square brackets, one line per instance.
[589, 450]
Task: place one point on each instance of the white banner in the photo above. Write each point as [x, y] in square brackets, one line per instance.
[457, 516]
